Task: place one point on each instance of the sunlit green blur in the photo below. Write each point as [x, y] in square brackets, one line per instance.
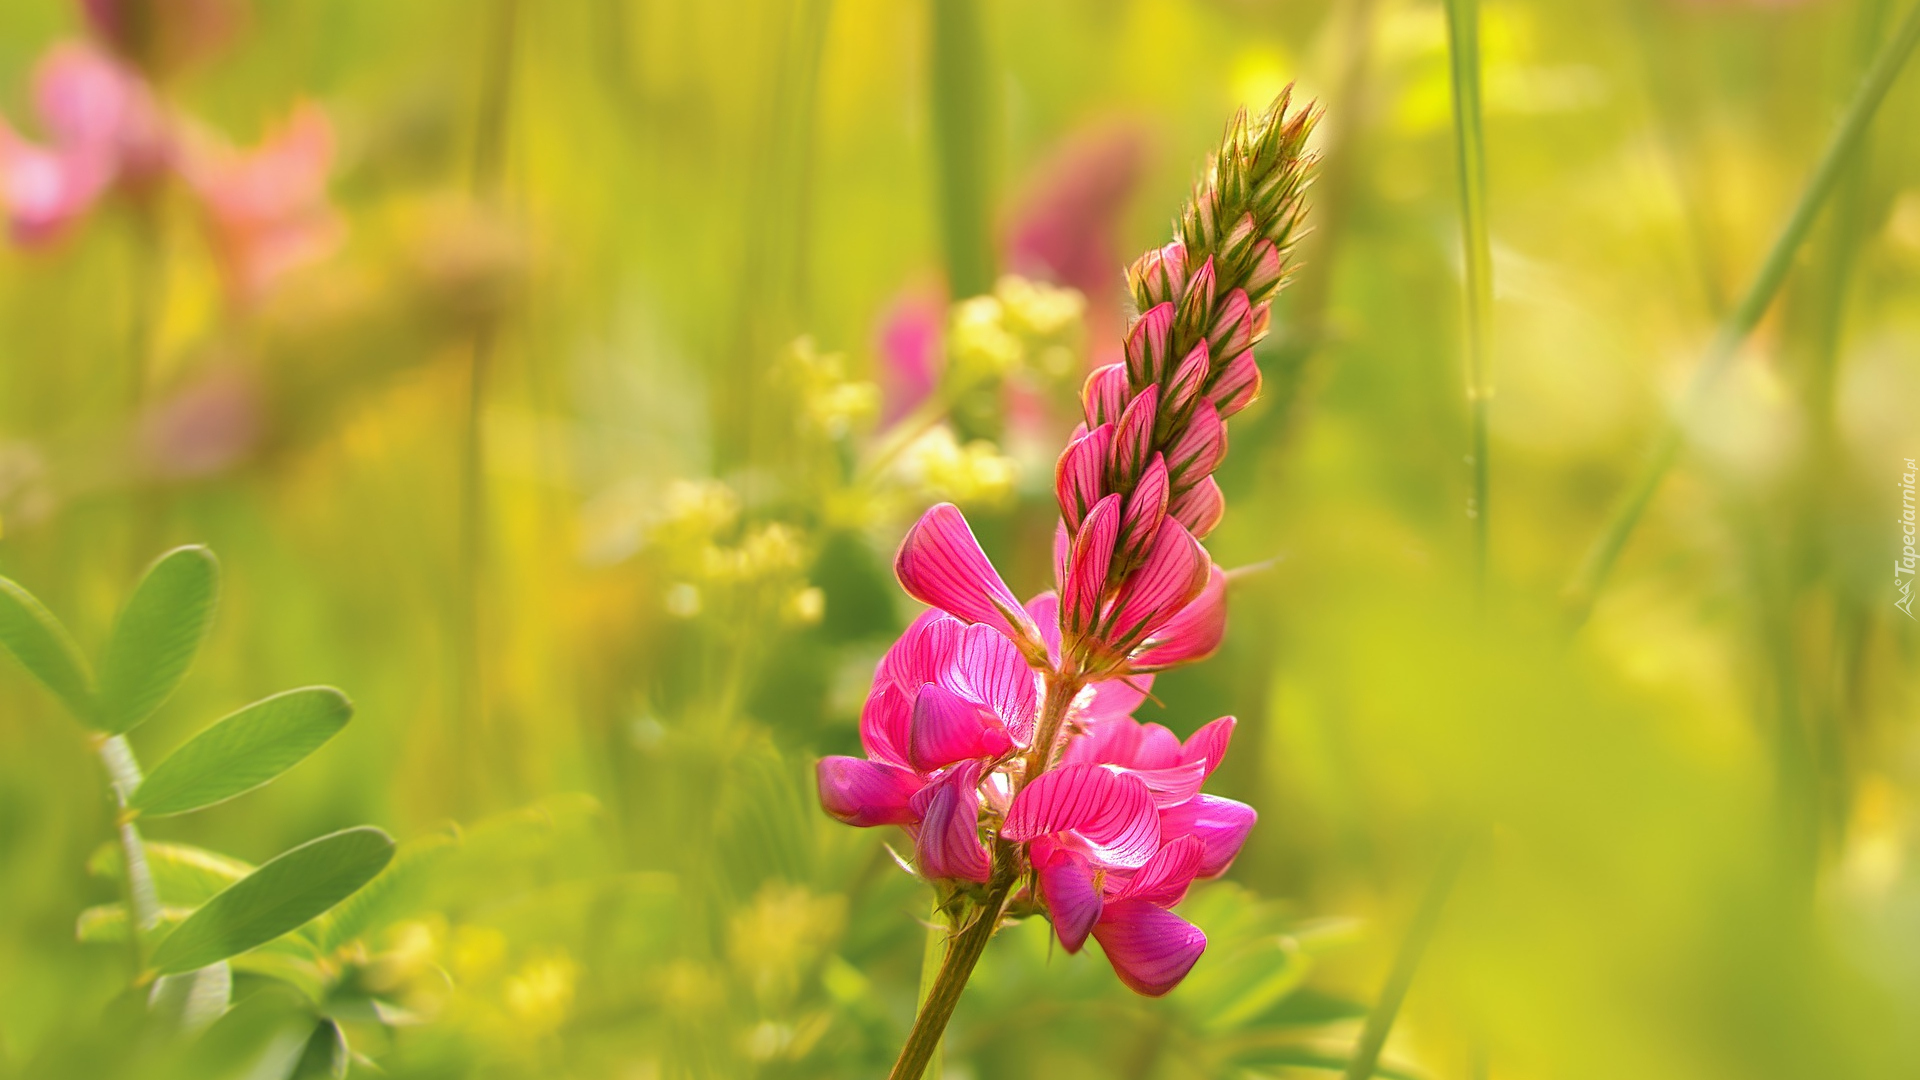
[579, 465]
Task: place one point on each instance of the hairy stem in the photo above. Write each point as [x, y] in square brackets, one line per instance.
[1463, 31]
[923, 1042]
[142, 899]
[939, 932]
[1739, 323]
[1373, 1038]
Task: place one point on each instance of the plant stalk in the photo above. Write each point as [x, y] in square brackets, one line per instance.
[1463, 35]
[1740, 322]
[142, 898]
[930, 1024]
[1373, 1038]
[939, 933]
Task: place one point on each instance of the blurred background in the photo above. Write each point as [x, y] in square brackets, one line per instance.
[557, 380]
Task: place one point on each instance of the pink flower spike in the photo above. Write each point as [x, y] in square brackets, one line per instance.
[1080, 476]
[1066, 883]
[1148, 344]
[866, 793]
[990, 670]
[1106, 394]
[1191, 635]
[1133, 437]
[1200, 448]
[1200, 507]
[1146, 509]
[1150, 948]
[1111, 812]
[947, 728]
[1196, 306]
[1236, 386]
[1189, 379]
[1232, 332]
[1165, 878]
[1175, 572]
[1221, 824]
[948, 843]
[1267, 269]
[1208, 745]
[1087, 567]
[940, 563]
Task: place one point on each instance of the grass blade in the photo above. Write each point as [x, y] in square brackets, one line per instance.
[1463, 36]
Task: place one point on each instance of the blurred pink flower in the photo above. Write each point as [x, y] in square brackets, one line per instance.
[908, 341]
[266, 209]
[1065, 228]
[103, 128]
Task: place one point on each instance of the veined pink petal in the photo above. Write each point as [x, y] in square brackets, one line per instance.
[1174, 784]
[1125, 742]
[1113, 699]
[1200, 507]
[949, 728]
[1062, 556]
[1165, 878]
[1150, 948]
[1079, 479]
[1209, 744]
[1200, 448]
[1196, 305]
[1193, 633]
[1106, 394]
[1232, 331]
[866, 793]
[924, 652]
[1133, 437]
[1175, 572]
[1159, 275]
[940, 563]
[990, 669]
[1148, 344]
[1267, 268]
[1146, 509]
[1189, 380]
[1087, 566]
[1236, 386]
[886, 722]
[1240, 239]
[1067, 885]
[1112, 812]
[948, 842]
[1044, 610]
[1221, 824]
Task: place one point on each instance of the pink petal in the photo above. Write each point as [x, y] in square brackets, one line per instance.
[1196, 305]
[866, 793]
[1125, 742]
[1150, 948]
[1221, 824]
[1165, 878]
[1192, 634]
[1044, 610]
[1176, 570]
[1209, 744]
[1232, 331]
[886, 722]
[949, 728]
[1189, 380]
[1079, 479]
[43, 191]
[1146, 509]
[1200, 447]
[1111, 811]
[1267, 268]
[948, 843]
[990, 670]
[1200, 507]
[1089, 562]
[1106, 394]
[1148, 344]
[1114, 698]
[924, 652]
[1174, 784]
[1133, 437]
[1237, 384]
[1073, 900]
[940, 563]
[1159, 275]
[1062, 554]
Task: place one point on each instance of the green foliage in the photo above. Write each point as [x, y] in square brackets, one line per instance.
[243, 751]
[43, 646]
[156, 636]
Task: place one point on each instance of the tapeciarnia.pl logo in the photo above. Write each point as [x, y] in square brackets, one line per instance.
[1903, 566]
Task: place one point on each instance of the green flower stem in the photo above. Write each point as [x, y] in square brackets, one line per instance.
[1373, 1038]
[1463, 34]
[142, 898]
[939, 932]
[1739, 323]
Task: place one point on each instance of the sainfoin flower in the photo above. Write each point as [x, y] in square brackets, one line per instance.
[102, 128]
[1001, 734]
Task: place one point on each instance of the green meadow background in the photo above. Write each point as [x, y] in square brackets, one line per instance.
[582, 238]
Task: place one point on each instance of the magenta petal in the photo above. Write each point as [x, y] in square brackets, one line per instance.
[866, 793]
[992, 671]
[1073, 901]
[1079, 479]
[1193, 633]
[1150, 948]
[1175, 572]
[1189, 379]
[1148, 344]
[1044, 610]
[1089, 562]
[1196, 305]
[1200, 447]
[949, 728]
[1221, 824]
[940, 563]
[1112, 811]
[1208, 745]
[1237, 384]
[1115, 698]
[1232, 329]
[1267, 268]
[1165, 878]
[924, 652]
[948, 842]
[1174, 784]
[1200, 507]
[886, 722]
[1146, 509]
[1159, 275]
[1105, 395]
[1133, 436]
[1125, 742]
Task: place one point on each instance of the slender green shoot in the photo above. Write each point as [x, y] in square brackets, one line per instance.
[1470, 144]
[1740, 322]
[1373, 1037]
[961, 109]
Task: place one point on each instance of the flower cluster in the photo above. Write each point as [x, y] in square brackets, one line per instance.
[1000, 734]
[108, 131]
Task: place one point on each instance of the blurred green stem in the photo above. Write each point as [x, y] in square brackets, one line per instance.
[962, 106]
[1463, 35]
[1373, 1038]
[142, 899]
[1740, 322]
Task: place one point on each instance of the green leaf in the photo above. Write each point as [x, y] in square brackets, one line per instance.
[183, 875]
[156, 636]
[282, 895]
[325, 1057]
[44, 648]
[243, 751]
